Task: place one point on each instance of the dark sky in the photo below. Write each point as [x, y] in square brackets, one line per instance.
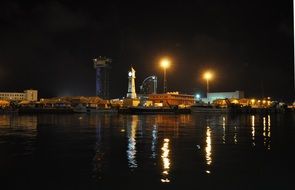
[49, 45]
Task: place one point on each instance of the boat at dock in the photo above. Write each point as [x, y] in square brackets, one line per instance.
[84, 109]
[208, 109]
[101, 110]
[34, 110]
[80, 108]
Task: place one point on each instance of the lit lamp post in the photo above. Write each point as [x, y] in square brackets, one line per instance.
[208, 76]
[165, 63]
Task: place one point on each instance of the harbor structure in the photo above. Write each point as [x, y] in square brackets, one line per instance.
[149, 85]
[102, 66]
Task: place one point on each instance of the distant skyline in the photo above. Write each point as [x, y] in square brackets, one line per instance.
[49, 45]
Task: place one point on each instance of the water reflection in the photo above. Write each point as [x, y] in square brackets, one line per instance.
[268, 135]
[266, 132]
[67, 145]
[268, 119]
[208, 146]
[99, 155]
[131, 135]
[223, 130]
[173, 120]
[5, 121]
[15, 121]
[166, 161]
[235, 135]
[253, 129]
[20, 132]
[154, 141]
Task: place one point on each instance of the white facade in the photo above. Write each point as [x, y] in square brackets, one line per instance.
[29, 95]
[131, 84]
[223, 95]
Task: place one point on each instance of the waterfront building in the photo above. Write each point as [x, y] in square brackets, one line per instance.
[88, 101]
[211, 96]
[252, 102]
[28, 95]
[171, 99]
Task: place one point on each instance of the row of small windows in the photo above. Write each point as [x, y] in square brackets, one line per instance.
[9, 95]
[175, 97]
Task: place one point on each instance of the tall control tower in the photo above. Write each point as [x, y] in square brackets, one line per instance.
[102, 66]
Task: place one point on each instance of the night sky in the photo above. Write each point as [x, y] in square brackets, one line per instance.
[49, 45]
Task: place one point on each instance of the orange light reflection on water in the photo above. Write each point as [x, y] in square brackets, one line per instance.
[166, 161]
[208, 147]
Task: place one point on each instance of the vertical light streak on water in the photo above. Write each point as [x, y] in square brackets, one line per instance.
[98, 158]
[235, 135]
[208, 147]
[264, 131]
[154, 140]
[131, 135]
[269, 132]
[223, 130]
[166, 161]
[253, 129]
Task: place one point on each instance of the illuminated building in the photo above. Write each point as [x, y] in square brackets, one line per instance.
[29, 95]
[91, 101]
[171, 99]
[102, 66]
[223, 95]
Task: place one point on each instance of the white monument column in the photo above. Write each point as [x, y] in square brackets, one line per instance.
[131, 84]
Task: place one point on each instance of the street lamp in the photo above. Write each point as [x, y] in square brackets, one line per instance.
[165, 63]
[208, 76]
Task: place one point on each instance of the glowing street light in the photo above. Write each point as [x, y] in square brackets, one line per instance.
[165, 63]
[208, 76]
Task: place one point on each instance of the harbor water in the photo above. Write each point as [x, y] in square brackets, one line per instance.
[105, 151]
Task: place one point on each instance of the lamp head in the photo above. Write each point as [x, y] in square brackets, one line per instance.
[165, 63]
[208, 75]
